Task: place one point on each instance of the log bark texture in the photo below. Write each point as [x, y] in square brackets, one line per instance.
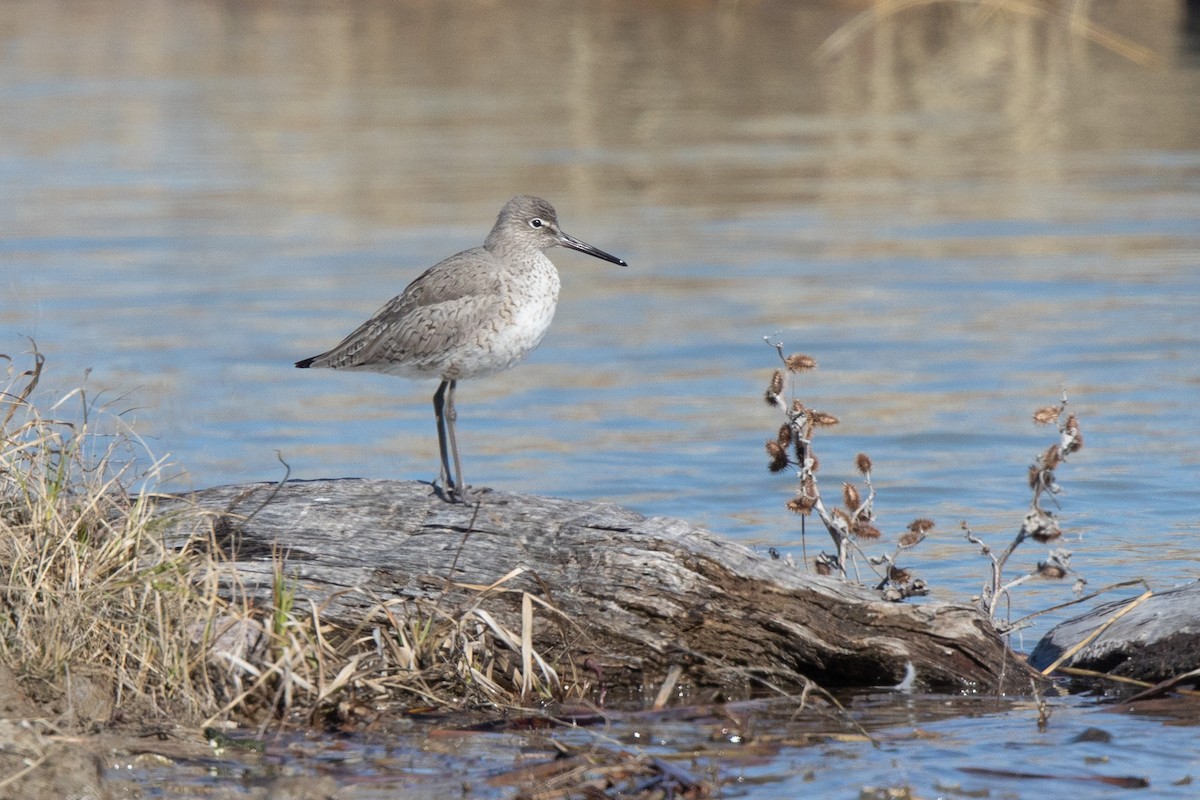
[1154, 641]
[638, 595]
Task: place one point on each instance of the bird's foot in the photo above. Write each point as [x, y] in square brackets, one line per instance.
[468, 495]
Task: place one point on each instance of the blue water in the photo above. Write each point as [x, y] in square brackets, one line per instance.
[958, 217]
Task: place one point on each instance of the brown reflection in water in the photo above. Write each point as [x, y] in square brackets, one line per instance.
[395, 113]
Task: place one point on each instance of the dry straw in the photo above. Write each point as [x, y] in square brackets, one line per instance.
[91, 591]
[88, 589]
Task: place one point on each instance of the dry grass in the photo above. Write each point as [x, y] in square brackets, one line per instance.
[85, 586]
[291, 661]
[89, 591]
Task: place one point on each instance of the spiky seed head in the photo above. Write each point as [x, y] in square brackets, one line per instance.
[779, 457]
[862, 529]
[1051, 458]
[823, 419]
[785, 435]
[798, 362]
[898, 574]
[1044, 416]
[915, 532]
[774, 389]
[815, 466]
[850, 497]
[862, 462]
[808, 487]
[801, 505]
[921, 525]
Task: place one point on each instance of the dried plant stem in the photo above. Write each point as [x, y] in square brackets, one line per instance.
[1039, 524]
[1085, 641]
[854, 519]
[1083, 598]
[801, 422]
[1079, 25]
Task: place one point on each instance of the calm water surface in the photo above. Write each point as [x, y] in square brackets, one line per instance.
[958, 213]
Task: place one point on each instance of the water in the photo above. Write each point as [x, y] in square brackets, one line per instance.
[958, 213]
[938, 747]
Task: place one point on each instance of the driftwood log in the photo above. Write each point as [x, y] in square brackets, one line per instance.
[1155, 640]
[643, 594]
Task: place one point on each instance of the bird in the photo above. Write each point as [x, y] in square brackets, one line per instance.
[473, 314]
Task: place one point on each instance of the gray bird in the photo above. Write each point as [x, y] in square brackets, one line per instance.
[475, 313]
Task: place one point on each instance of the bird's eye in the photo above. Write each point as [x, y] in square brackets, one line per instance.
[535, 223]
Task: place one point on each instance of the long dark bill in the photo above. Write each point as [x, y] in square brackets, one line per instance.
[584, 247]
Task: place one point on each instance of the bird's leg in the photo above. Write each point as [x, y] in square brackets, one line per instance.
[451, 415]
[439, 406]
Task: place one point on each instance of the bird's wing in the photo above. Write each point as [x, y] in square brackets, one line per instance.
[437, 312]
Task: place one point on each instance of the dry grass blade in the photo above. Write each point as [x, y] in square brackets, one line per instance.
[1151, 689]
[526, 646]
[28, 768]
[1099, 630]
[496, 584]
[26, 388]
[668, 686]
[1079, 672]
[527, 680]
[344, 676]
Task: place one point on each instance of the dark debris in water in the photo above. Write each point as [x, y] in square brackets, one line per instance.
[1120, 781]
[603, 773]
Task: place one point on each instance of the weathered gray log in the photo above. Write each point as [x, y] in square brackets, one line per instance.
[643, 594]
[1156, 640]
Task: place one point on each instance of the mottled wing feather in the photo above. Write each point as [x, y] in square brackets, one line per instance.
[439, 311]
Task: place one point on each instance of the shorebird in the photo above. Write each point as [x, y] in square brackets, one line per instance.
[475, 313]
